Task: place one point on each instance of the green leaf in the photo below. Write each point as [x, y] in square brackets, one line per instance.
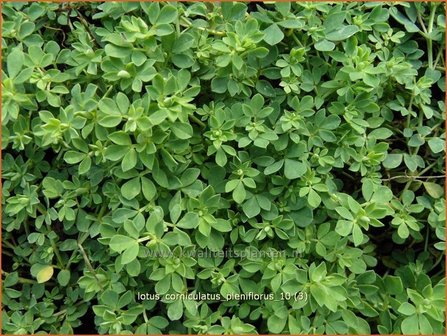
[175, 310]
[239, 193]
[120, 138]
[73, 157]
[403, 231]
[164, 29]
[273, 168]
[63, 277]
[222, 225]
[228, 289]
[130, 253]
[117, 51]
[85, 165]
[313, 198]
[148, 188]
[182, 130]
[344, 227]
[409, 25]
[357, 235]
[167, 14]
[190, 176]
[175, 208]
[110, 298]
[115, 152]
[129, 160]
[324, 45]
[273, 34]
[131, 188]
[131, 228]
[162, 286]
[407, 309]
[110, 116]
[319, 293]
[393, 284]
[342, 33]
[109, 120]
[183, 43]
[14, 62]
[204, 227]
[119, 243]
[392, 161]
[437, 145]
[221, 157]
[294, 169]
[410, 325]
[381, 133]
[345, 213]
[158, 117]
[433, 189]
[425, 327]
[251, 208]
[411, 162]
[319, 273]
[231, 185]
[189, 221]
[276, 324]
[177, 283]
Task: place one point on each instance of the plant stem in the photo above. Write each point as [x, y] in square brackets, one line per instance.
[27, 281]
[429, 39]
[211, 31]
[421, 22]
[197, 120]
[146, 320]
[92, 35]
[426, 169]
[22, 280]
[8, 244]
[295, 38]
[435, 66]
[430, 53]
[27, 227]
[102, 211]
[177, 26]
[58, 255]
[9, 254]
[416, 150]
[347, 175]
[442, 256]
[108, 91]
[41, 209]
[64, 311]
[81, 238]
[427, 235]
[89, 265]
[414, 177]
[144, 239]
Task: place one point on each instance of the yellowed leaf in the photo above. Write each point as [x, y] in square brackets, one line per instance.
[45, 274]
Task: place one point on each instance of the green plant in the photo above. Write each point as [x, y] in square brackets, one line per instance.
[223, 168]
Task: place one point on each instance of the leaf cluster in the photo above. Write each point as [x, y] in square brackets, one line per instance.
[308, 139]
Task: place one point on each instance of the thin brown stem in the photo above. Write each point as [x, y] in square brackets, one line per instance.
[89, 265]
[414, 177]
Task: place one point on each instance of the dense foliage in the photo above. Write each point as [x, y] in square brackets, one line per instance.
[291, 153]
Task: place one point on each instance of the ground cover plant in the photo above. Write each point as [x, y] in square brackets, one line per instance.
[281, 164]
